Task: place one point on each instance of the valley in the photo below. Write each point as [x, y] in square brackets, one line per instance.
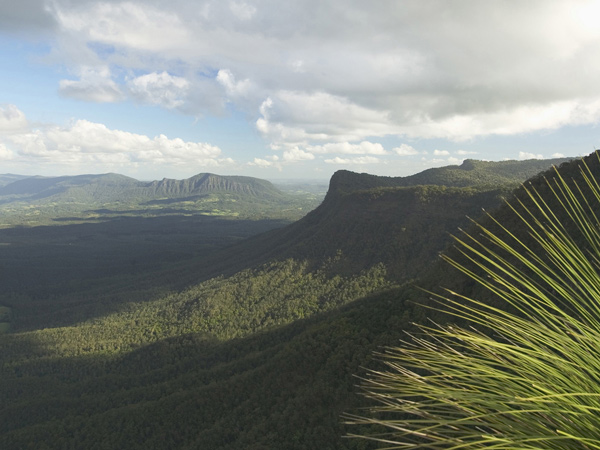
[166, 327]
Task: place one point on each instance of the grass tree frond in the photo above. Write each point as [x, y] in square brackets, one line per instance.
[525, 375]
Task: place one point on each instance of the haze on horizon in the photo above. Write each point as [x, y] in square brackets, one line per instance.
[156, 88]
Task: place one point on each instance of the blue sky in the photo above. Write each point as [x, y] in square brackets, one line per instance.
[156, 88]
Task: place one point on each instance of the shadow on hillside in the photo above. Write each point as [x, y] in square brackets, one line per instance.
[60, 275]
[193, 391]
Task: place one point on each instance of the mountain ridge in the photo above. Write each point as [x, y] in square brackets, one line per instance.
[401, 207]
[281, 385]
[470, 173]
[38, 187]
[209, 182]
[44, 200]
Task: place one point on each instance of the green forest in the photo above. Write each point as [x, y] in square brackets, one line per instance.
[193, 331]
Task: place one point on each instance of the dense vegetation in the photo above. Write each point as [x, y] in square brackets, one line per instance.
[253, 345]
[521, 373]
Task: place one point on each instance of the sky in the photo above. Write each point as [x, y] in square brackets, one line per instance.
[293, 89]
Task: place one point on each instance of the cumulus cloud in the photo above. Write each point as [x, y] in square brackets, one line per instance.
[296, 154]
[357, 160]
[242, 10]
[233, 88]
[94, 85]
[347, 148]
[126, 24]
[526, 155]
[261, 162]
[12, 119]
[85, 142]
[271, 161]
[406, 150]
[5, 153]
[343, 72]
[294, 118]
[441, 152]
[159, 89]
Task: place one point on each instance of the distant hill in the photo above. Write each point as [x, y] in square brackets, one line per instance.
[35, 200]
[471, 173]
[208, 182]
[90, 188]
[113, 187]
[8, 178]
[254, 347]
[403, 222]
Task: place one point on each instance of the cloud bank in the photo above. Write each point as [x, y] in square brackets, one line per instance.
[332, 76]
[83, 142]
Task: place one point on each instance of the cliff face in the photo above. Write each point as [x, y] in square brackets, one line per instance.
[208, 182]
[114, 187]
[471, 173]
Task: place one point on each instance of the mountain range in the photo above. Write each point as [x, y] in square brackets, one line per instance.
[39, 200]
[113, 187]
[254, 345]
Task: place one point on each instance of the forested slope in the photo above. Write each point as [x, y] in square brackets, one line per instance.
[257, 346]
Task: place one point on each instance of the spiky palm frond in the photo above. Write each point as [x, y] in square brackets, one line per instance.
[524, 376]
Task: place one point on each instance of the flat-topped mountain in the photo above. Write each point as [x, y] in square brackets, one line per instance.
[208, 182]
[205, 193]
[470, 173]
[115, 187]
[210, 352]
[402, 222]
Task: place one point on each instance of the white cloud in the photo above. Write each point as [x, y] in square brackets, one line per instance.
[159, 89]
[465, 152]
[346, 148]
[344, 71]
[242, 10]
[12, 119]
[106, 92]
[296, 154]
[558, 155]
[441, 152]
[85, 142]
[5, 153]
[405, 150]
[95, 85]
[271, 162]
[261, 162]
[293, 118]
[234, 89]
[357, 160]
[526, 155]
[129, 24]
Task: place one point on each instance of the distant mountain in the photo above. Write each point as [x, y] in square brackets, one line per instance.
[208, 182]
[42, 199]
[225, 362]
[367, 219]
[92, 188]
[7, 178]
[471, 173]
[113, 187]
